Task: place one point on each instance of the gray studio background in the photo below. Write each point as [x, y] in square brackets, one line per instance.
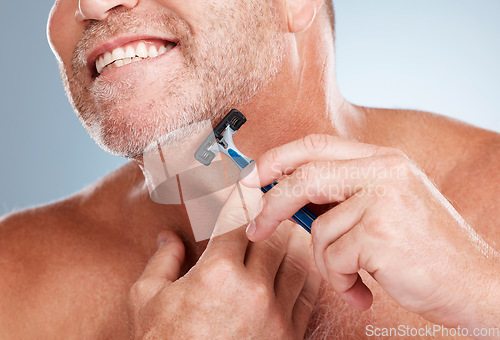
[435, 55]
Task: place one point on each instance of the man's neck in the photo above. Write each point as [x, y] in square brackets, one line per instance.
[302, 99]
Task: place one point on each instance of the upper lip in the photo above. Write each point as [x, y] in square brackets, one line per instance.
[110, 45]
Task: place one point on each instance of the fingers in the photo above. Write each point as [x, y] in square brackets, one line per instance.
[228, 238]
[285, 159]
[293, 270]
[286, 260]
[338, 241]
[358, 295]
[341, 260]
[330, 226]
[318, 183]
[264, 258]
[165, 265]
[163, 268]
[307, 299]
[231, 246]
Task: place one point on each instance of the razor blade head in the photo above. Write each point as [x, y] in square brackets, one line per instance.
[234, 119]
[206, 152]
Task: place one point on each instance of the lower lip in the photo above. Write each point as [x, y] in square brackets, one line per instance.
[124, 68]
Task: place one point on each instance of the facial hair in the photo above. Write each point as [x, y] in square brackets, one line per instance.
[236, 53]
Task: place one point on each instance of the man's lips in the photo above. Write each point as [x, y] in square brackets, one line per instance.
[125, 51]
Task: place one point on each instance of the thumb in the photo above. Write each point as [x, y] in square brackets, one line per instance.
[165, 265]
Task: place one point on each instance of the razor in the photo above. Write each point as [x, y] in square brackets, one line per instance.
[221, 140]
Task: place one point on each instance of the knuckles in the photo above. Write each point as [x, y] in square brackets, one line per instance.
[273, 246]
[139, 292]
[388, 151]
[315, 143]
[274, 159]
[218, 271]
[317, 230]
[260, 296]
[393, 171]
[308, 299]
[307, 173]
[253, 292]
[298, 266]
[399, 161]
[381, 228]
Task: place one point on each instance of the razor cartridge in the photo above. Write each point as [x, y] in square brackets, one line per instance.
[221, 140]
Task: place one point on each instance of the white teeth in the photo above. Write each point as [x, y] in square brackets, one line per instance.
[141, 50]
[99, 64]
[119, 56]
[118, 53]
[107, 58]
[152, 52]
[130, 53]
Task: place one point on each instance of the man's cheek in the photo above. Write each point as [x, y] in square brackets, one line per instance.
[63, 31]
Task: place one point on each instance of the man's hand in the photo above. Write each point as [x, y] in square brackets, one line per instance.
[236, 290]
[391, 222]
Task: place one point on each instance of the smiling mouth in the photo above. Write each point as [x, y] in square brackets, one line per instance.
[131, 52]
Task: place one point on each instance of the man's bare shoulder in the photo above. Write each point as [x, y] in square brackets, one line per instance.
[438, 144]
[26, 233]
[458, 155]
[49, 229]
[473, 182]
[91, 203]
[463, 160]
[52, 256]
[433, 141]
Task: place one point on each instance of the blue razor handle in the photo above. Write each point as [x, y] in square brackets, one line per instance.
[221, 140]
[304, 217]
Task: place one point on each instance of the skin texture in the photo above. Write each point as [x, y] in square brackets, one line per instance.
[392, 222]
[89, 266]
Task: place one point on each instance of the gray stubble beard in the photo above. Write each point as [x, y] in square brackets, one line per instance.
[226, 71]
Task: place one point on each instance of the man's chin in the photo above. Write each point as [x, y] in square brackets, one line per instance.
[122, 149]
[134, 138]
[128, 142]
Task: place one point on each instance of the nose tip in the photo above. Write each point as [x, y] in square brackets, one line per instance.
[99, 9]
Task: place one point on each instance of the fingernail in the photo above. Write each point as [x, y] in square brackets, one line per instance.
[251, 229]
[161, 239]
[249, 174]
